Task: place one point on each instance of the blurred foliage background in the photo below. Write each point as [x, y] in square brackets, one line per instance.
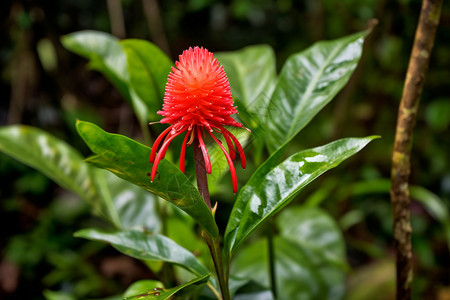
[46, 86]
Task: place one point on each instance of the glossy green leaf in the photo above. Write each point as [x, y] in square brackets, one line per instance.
[320, 238]
[296, 276]
[50, 156]
[104, 53]
[265, 295]
[309, 257]
[142, 285]
[104, 205]
[143, 246]
[148, 69]
[308, 81]
[120, 202]
[252, 75]
[270, 189]
[313, 229]
[161, 294]
[129, 160]
[182, 229]
[251, 72]
[240, 206]
[235, 282]
[135, 207]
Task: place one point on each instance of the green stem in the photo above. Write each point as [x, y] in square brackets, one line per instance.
[272, 271]
[214, 290]
[223, 280]
[213, 243]
[214, 249]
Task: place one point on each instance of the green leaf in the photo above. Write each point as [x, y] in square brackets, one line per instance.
[433, 204]
[53, 295]
[50, 156]
[142, 285]
[313, 229]
[128, 159]
[265, 295]
[309, 257]
[143, 246]
[135, 207]
[105, 55]
[251, 72]
[240, 206]
[296, 276]
[308, 81]
[252, 75]
[318, 235]
[120, 64]
[272, 188]
[125, 205]
[162, 294]
[182, 229]
[54, 158]
[148, 68]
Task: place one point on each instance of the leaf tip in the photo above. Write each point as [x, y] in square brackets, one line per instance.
[78, 233]
[374, 137]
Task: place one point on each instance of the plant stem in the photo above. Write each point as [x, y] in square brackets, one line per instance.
[401, 164]
[200, 172]
[272, 271]
[155, 24]
[214, 249]
[115, 12]
[212, 242]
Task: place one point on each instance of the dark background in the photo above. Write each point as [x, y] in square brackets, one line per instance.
[44, 85]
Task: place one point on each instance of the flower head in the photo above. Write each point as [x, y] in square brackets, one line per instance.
[197, 102]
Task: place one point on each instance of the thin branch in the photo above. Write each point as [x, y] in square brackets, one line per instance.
[155, 24]
[116, 18]
[401, 164]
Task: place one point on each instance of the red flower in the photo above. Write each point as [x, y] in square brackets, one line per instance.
[198, 100]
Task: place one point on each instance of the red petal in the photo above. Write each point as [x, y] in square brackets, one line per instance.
[162, 152]
[183, 151]
[230, 145]
[156, 144]
[230, 163]
[238, 146]
[204, 151]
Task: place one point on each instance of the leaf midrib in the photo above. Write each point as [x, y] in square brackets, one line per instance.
[310, 88]
[147, 70]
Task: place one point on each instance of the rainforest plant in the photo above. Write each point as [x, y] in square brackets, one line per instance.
[155, 211]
